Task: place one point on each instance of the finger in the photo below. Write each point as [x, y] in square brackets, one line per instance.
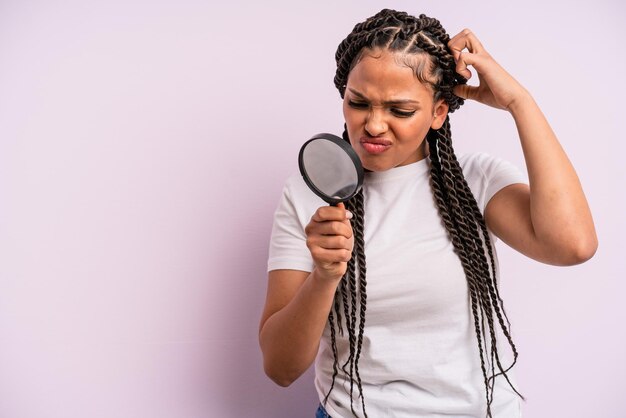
[473, 43]
[461, 66]
[331, 213]
[465, 39]
[329, 228]
[457, 44]
[348, 213]
[330, 242]
[322, 255]
[465, 92]
[475, 60]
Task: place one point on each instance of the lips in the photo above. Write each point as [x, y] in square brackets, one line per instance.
[375, 145]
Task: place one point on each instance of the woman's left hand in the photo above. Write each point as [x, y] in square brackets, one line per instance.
[549, 219]
[496, 88]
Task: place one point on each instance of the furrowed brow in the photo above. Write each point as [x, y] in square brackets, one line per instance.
[387, 102]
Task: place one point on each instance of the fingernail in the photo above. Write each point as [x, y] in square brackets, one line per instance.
[348, 214]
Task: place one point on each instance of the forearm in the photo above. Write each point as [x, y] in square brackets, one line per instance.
[559, 211]
[290, 337]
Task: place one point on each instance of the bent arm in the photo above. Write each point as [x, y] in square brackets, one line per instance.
[298, 303]
[296, 312]
[548, 220]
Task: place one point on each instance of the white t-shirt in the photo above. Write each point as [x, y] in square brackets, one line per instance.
[420, 355]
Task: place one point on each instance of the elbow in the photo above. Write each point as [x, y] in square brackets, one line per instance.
[279, 371]
[276, 366]
[580, 251]
[279, 377]
[282, 382]
[587, 250]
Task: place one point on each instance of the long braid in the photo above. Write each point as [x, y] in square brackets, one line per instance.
[490, 286]
[458, 209]
[462, 230]
[359, 244]
[352, 294]
[333, 345]
[444, 205]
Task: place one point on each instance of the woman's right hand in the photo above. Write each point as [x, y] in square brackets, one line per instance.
[330, 241]
[298, 302]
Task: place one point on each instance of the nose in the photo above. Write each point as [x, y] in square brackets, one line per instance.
[375, 124]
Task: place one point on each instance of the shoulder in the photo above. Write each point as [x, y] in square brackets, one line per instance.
[487, 174]
[297, 191]
[486, 167]
[297, 201]
[479, 162]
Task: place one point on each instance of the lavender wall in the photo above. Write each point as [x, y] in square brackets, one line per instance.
[143, 147]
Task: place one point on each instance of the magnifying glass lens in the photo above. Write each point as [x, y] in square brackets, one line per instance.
[331, 168]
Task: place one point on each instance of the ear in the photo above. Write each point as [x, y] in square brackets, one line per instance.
[440, 113]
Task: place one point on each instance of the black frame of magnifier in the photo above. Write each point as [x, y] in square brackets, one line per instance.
[351, 153]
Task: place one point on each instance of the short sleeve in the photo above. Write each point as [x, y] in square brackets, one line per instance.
[287, 248]
[486, 175]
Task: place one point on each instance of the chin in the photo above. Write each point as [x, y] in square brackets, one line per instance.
[375, 165]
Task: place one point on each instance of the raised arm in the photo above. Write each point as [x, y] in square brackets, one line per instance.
[298, 303]
[548, 220]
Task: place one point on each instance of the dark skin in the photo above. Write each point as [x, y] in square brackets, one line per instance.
[548, 220]
[298, 302]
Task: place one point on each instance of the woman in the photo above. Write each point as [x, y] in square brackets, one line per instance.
[418, 329]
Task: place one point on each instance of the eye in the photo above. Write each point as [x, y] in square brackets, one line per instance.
[402, 113]
[358, 105]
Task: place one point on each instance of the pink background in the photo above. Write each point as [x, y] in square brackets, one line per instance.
[143, 147]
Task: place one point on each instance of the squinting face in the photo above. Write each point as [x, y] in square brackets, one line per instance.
[388, 112]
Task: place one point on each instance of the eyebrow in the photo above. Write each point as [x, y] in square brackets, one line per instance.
[388, 102]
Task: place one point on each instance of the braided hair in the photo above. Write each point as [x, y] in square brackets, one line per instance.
[424, 37]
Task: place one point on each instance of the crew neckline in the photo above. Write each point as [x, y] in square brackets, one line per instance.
[414, 169]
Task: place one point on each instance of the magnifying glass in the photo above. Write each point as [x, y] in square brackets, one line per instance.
[331, 168]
